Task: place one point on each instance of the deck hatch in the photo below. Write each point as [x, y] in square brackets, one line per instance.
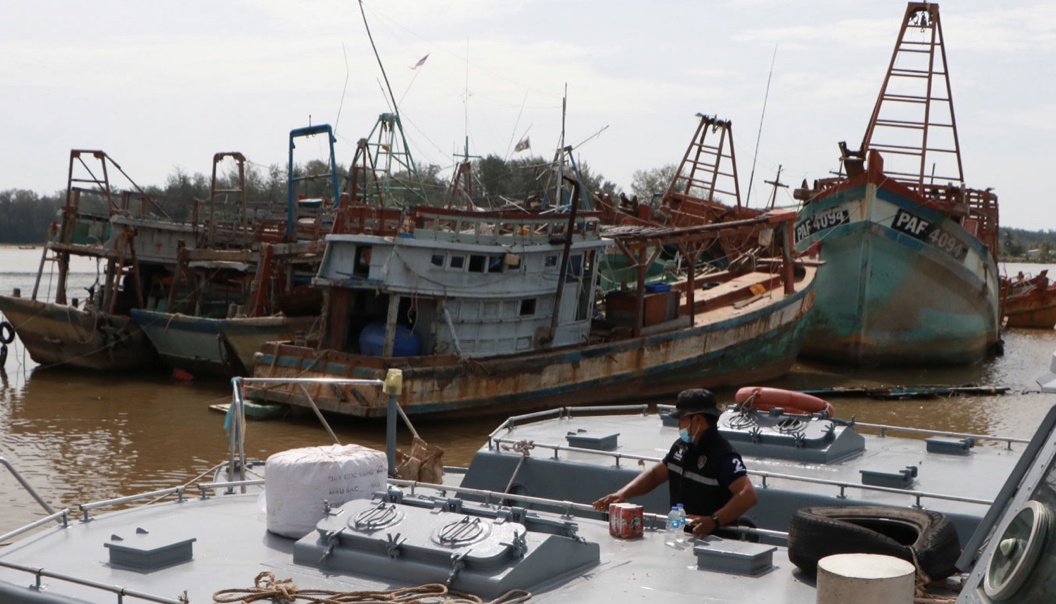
[583, 439]
[147, 552]
[949, 446]
[729, 556]
[901, 479]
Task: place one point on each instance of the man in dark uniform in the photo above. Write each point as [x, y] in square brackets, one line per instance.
[704, 473]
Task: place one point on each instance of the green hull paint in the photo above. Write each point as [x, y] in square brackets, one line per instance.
[888, 293]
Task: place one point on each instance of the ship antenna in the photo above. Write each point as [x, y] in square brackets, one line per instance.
[759, 135]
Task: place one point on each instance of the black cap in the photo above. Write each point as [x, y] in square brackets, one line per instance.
[695, 401]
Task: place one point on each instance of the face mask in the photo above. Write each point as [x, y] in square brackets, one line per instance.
[683, 433]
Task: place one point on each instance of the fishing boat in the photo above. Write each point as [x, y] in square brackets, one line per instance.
[910, 274]
[93, 332]
[452, 294]
[510, 295]
[1029, 301]
[222, 305]
[703, 190]
[304, 527]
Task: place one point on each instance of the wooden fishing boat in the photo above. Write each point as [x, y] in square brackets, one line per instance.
[1028, 301]
[495, 310]
[910, 253]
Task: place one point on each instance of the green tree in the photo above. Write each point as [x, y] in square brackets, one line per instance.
[646, 183]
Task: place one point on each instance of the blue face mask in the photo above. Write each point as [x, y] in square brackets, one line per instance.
[683, 433]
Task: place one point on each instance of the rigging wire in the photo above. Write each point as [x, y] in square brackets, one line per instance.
[759, 134]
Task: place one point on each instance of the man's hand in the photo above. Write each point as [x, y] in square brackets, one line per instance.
[703, 527]
[602, 505]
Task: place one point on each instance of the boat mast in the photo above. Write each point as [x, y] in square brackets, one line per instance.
[913, 124]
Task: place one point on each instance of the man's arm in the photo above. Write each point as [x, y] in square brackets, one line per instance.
[639, 485]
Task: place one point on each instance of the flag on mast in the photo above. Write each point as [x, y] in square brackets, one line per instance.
[523, 145]
[420, 62]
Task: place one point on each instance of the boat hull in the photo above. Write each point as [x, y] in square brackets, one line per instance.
[902, 283]
[757, 343]
[60, 335]
[206, 346]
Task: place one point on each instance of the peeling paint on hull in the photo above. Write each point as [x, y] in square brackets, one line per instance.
[902, 283]
[759, 343]
[56, 334]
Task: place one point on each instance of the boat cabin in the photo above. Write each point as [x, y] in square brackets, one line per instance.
[468, 284]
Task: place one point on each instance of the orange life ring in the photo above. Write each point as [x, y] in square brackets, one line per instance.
[765, 399]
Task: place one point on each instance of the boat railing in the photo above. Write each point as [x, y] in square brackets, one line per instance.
[228, 486]
[61, 516]
[884, 429]
[565, 507]
[25, 485]
[120, 593]
[392, 385]
[520, 445]
[87, 507]
[563, 413]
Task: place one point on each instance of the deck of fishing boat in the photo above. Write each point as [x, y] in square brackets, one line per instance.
[581, 454]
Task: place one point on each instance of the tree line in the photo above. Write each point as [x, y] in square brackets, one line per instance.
[25, 216]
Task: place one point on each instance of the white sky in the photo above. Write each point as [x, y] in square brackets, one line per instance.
[164, 85]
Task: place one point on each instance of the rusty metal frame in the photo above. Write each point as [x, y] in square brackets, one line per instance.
[924, 16]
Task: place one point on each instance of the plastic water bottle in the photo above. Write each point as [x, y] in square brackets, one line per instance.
[680, 534]
[673, 529]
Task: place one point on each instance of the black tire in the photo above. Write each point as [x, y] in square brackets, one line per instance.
[7, 332]
[816, 532]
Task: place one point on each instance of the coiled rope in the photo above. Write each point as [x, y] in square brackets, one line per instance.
[267, 587]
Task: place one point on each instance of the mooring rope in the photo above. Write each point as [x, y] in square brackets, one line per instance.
[267, 587]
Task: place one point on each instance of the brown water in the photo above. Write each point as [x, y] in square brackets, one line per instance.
[80, 436]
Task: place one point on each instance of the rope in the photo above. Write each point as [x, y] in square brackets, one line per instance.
[920, 586]
[524, 447]
[267, 587]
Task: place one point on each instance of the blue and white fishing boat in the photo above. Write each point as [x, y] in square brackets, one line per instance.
[910, 253]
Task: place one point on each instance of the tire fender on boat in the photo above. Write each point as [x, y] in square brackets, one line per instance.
[7, 332]
[926, 538]
[765, 399]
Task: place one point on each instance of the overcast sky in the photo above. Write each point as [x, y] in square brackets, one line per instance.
[164, 85]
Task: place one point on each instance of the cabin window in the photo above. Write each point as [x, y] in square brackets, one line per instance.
[457, 262]
[361, 265]
[550, 261]
[528, 307]
[438, 260]
[495, 263]
[476, 263]
[575, 268]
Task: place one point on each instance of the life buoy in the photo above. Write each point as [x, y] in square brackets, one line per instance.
[7, 332]
[765, 399]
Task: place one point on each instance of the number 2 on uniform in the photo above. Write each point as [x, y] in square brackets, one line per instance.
[738, 465]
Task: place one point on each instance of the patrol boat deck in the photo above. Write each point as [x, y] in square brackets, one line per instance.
[213, 543]
[794, 461]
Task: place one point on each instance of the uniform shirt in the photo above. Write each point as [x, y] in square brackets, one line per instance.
[700, 474]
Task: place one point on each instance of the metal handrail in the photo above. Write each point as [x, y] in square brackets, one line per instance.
[119, 592]
[562, 413]
[805, 479]
[25, 485]
[85, 507]
[656, 520]
[230, 486]
[61, 516]
[883, 428]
